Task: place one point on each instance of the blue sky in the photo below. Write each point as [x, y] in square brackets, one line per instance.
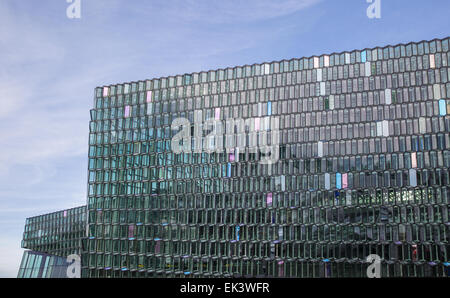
[50, 65]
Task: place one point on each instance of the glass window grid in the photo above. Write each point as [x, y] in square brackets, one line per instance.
[153, 213]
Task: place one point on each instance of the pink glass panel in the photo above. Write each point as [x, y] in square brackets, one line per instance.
[131, 231]
[231, 157]
[269, 199]
[257, 123]
[413, 160]
[217, 113]
[105, 91]
[281, 269]
[344, 181]
[127, 111]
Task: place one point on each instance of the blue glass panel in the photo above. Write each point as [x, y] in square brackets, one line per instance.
[364, 57]
[442, 107]
[413, 177]
[338, 180]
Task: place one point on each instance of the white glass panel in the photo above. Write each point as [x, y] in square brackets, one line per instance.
[379, 129]
[327, 181]
[422, 125]
[437, 91]
[348, 198]
[316, 62]
[388, 96]
[326, 61]
[320, 149]
[432, 61]
[347, 58]
[319, 75]
[385, 128]
[322, 88]
[368, 70]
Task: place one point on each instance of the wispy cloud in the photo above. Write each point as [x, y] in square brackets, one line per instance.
[12, 97]
[38, 127]
[231, 11]
[11, 255]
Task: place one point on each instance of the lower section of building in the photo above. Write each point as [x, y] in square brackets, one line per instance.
[41, 265]
[408, 231]
[292, 269]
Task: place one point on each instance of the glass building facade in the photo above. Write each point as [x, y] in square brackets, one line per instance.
[41, 265]
[50, 239]
[362, 169]
[57, 233]
[359, 165]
